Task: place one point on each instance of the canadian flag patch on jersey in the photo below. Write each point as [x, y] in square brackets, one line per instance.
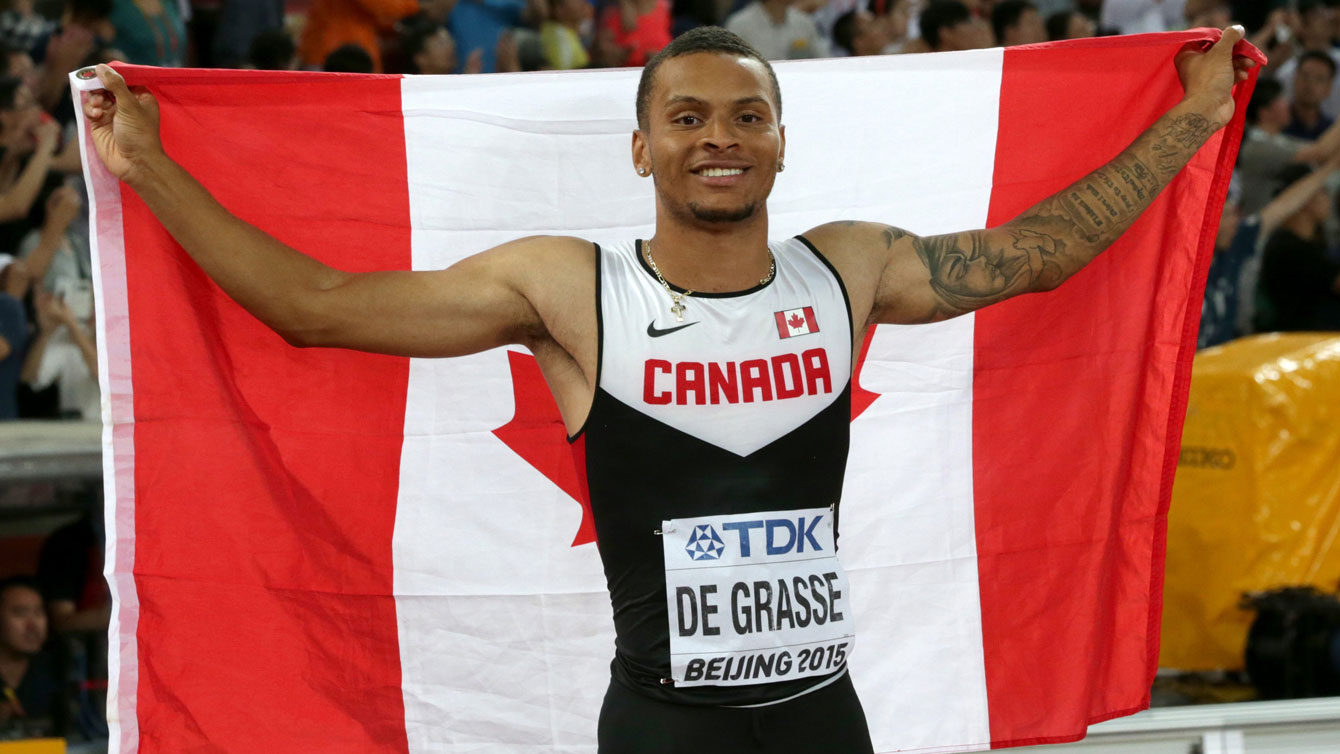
[793, 322]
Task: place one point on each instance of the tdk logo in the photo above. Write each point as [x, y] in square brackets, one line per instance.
[756, 538]
[705, 543]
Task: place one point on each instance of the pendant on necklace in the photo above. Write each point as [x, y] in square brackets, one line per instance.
[678, 311]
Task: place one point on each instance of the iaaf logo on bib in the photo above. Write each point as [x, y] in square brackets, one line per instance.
[780, 536]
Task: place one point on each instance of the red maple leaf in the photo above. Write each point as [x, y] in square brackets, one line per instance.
[536, 432]
[795, 322]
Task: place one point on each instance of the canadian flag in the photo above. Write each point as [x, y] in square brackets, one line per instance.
[325, 550]
[793, 322]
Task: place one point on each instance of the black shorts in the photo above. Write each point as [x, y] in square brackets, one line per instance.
[826, 721]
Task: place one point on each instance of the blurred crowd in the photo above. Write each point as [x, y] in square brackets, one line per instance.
[1276, 264]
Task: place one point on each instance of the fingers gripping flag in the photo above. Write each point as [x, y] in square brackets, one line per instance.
[323, 550]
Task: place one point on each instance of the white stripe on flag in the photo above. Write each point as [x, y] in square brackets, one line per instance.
[517, 656]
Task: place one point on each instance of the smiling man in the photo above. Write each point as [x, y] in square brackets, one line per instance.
[704, 374]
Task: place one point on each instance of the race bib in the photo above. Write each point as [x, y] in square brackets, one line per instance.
[755, 598]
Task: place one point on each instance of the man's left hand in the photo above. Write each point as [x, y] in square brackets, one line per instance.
[1208, 76]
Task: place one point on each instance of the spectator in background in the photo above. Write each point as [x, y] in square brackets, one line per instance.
[150, 32]
[63, 354]
[272, 51]
[1069, 25]
[29, 139]
[1266, 150]
[69, 572]
[1142, 16]
[1313, 79]
[332, 24]
[477, 25]
[778, 30]
[1017, 22]
[86, 26]
[948, 25]
[23, 27]
[1235, 269]
[350, 58]
[58, 259]
[429, 50]
[861, 32]
[1300, 284]
[631, 31]
[560, 35]
[240, 23]
[1313, 32]
[13, 332]
[31, 703]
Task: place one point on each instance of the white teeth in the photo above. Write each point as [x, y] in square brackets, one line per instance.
[718, 172]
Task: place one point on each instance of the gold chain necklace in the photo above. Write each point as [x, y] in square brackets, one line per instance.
[677, 299]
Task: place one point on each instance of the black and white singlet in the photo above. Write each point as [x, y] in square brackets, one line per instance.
[713, 456]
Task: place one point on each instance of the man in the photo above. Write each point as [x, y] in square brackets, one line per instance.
[1300, 284]
[861, 32]
[1230, 290]
[778, 30]
[725, 313]
[1069, 25]
[948, 25]
[1267, 150]
[30, 698]
[1017, 22]
[1311, 86]
[1314, 34]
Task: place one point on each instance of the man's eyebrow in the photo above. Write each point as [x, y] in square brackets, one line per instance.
[691, 100]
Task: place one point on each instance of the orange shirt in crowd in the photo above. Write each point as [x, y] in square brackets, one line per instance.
[333, 23]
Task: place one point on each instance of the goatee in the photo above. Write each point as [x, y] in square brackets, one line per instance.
[734, 215]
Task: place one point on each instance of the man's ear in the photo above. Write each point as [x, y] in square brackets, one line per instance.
[641, 154]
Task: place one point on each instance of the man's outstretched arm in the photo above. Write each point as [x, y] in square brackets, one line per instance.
[930, 278]
[477, 304]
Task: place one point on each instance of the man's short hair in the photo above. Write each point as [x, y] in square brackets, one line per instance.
[413, 41]
[939, 15]
[844, 30]
[350, 58]
[1267, 91]
[271, 50]
[713, 39]
[1318, 56]
[88, 10]
[1006, 14]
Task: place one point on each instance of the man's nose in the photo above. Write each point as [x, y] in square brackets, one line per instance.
[720, 134]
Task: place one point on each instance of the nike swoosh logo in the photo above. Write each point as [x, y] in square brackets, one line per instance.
[654, 332]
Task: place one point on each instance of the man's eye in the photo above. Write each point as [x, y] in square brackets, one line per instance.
[687, 120]
[751, 118]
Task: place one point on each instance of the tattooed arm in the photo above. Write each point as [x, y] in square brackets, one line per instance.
[925, 279]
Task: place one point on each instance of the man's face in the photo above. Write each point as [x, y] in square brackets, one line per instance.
[973, 34]
[1079, 27]
[872, 34]
[712, 140]
[1028, 31]
[1312, 84]
[23, 622]
[438, 55]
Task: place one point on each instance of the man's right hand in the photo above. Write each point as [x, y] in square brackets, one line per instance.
[124, 125]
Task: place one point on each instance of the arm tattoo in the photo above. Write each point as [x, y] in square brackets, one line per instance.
[1055, 238]
[970, 270]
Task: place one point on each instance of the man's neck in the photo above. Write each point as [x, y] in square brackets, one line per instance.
[776, 9]
[712, 258]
